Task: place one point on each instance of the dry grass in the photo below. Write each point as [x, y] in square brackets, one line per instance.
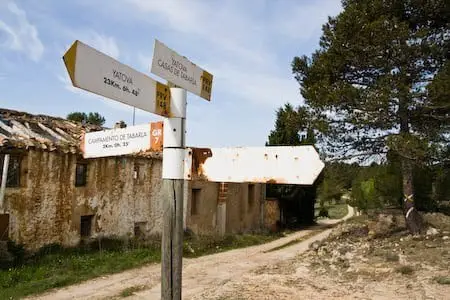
[405, 270]
[131, 290]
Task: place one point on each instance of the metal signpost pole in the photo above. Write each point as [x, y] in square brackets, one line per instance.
[173, 175]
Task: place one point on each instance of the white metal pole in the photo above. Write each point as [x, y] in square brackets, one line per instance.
[173, 175]
[4, 179]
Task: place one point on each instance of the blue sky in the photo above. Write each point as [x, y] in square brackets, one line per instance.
[247, 45]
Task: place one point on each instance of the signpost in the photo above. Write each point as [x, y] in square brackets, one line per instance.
[283, 164]
[180, 71]
[100, 74]
[121, 141]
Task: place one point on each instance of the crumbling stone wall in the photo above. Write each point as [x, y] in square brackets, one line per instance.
[47, 207]
[271, 214]
[122, 194]
[203, 221]
[243, 214]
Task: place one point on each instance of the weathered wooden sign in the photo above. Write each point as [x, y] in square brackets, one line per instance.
[101, 74]
[179, 70]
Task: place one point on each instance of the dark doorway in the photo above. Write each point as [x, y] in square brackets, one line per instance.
[4, 227]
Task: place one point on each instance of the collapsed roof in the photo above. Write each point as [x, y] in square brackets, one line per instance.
[24, 131]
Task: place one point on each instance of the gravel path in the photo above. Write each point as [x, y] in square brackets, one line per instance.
[200, 275]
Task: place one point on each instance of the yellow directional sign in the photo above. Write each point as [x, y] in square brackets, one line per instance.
[96, 72]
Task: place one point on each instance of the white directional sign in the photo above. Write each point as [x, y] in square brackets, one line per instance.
[179, 70]
[99, 73]
[118, 141]
[285, 165]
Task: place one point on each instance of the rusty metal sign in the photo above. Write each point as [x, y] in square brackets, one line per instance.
[285, 164]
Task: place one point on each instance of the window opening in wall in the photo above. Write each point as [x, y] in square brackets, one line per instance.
[251, 195]
[139, 229]
[86, 225]
[81, 174]
[13, 178]
[4, 227]
[137, 173]
[195, 201]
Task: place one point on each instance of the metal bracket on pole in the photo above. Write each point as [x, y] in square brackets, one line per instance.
[177, 163]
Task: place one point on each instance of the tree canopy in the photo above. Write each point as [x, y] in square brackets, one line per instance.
[291, 128]
[367, 85]
[379, 83]
[93, 118]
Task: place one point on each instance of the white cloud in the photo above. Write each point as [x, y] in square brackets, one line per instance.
[22, 36]
[304, 19]
[145, 61]
[241, 47]
[220, 24]
[65, 80]
[103, 43]
[257, 87]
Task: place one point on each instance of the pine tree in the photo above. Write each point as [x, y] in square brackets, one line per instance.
[368, 86]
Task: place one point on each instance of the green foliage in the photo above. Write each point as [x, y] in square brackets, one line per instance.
[423, 186]
[323, 212]
[77, 116]
[442, 279]
[203, 245]
[380, 83]
[364, 195]
[330, 190]
[17, 253]
[337, 211]
[376, 186]
[367, 89]
[287, 127]
[127, 292]
[405, 270]
[337, 181]
[54, 266]
[292, 129]
[441, 183]
[91, 118]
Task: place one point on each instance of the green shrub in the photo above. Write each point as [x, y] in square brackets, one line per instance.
[405, 270]
[442, 279]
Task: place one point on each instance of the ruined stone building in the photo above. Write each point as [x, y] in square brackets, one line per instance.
[53, 195]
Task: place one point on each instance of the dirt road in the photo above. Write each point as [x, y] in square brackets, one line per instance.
[200, 275]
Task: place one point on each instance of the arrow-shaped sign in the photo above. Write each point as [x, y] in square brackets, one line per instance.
[284, 164]
[101, 74]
